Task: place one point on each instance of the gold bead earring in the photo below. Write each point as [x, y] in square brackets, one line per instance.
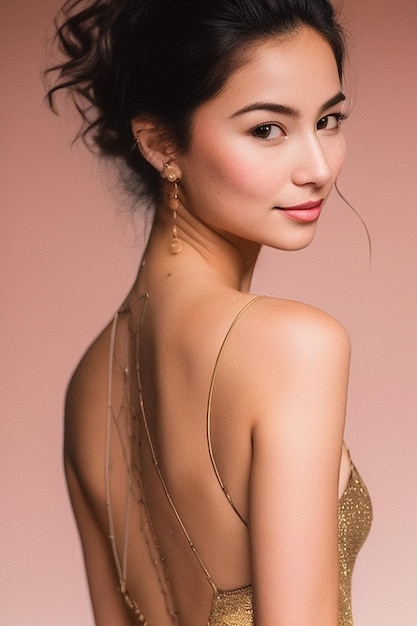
[171, 176]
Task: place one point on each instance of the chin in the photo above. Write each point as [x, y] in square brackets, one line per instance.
[293, 248]
[292, 245]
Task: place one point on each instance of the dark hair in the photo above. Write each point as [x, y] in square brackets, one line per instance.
[163, 58]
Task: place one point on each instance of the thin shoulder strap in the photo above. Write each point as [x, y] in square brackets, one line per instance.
[153, 452]
[210, 400]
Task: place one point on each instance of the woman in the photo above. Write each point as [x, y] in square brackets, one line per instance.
[204, 427]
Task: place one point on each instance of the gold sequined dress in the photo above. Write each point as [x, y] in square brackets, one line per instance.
[234, 607]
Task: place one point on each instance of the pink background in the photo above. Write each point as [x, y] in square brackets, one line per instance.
[69, 254]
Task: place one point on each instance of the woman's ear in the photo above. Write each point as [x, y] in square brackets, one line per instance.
[153, 142]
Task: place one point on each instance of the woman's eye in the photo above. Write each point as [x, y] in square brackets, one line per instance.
[268, 131]
[330, 122]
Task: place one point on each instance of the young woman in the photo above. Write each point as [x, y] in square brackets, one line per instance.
[204, 427]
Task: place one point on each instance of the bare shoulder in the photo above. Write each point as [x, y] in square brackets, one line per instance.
[294, 317]
[290, 331]
[86, 407]
[87, 386]
[300, 325]
[286, 350]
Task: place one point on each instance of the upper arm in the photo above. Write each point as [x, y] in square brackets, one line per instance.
[107, 602]
[297, 441]
[84, 454]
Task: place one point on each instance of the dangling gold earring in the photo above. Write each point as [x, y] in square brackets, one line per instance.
[171, 176]
[176, 245]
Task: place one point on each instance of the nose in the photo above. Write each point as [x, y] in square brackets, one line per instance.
[312, 165]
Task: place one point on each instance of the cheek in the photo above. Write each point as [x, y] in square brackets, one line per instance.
[338, 156]
[232, 168]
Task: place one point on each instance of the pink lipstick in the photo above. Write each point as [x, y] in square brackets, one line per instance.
[307, 212]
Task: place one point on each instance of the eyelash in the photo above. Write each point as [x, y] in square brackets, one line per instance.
[339, 117]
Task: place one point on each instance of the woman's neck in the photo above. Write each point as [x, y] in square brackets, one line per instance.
[206, 254]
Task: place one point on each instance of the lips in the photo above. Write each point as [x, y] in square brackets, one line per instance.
[307, 212]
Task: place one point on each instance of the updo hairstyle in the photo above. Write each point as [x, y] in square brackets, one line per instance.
[162, 59]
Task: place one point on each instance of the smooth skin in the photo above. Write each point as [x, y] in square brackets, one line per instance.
[270, 140]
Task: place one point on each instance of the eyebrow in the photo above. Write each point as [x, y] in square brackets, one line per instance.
[282, 109]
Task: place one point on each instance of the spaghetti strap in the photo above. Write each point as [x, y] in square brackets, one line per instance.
[209, 404]
[153, 452]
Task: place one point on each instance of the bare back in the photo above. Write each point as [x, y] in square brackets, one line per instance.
[159, 475]
[184, 499]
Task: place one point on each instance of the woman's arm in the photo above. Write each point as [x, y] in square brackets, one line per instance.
[297, 444]
[108, 605]
[84, 452]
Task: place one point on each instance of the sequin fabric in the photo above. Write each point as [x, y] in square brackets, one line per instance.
[232, 608]
[355, 519]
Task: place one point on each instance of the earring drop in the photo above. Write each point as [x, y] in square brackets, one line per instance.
[176, 245]
[173, 196]
[171, 176]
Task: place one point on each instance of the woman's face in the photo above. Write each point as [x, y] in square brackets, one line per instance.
[271, 140]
